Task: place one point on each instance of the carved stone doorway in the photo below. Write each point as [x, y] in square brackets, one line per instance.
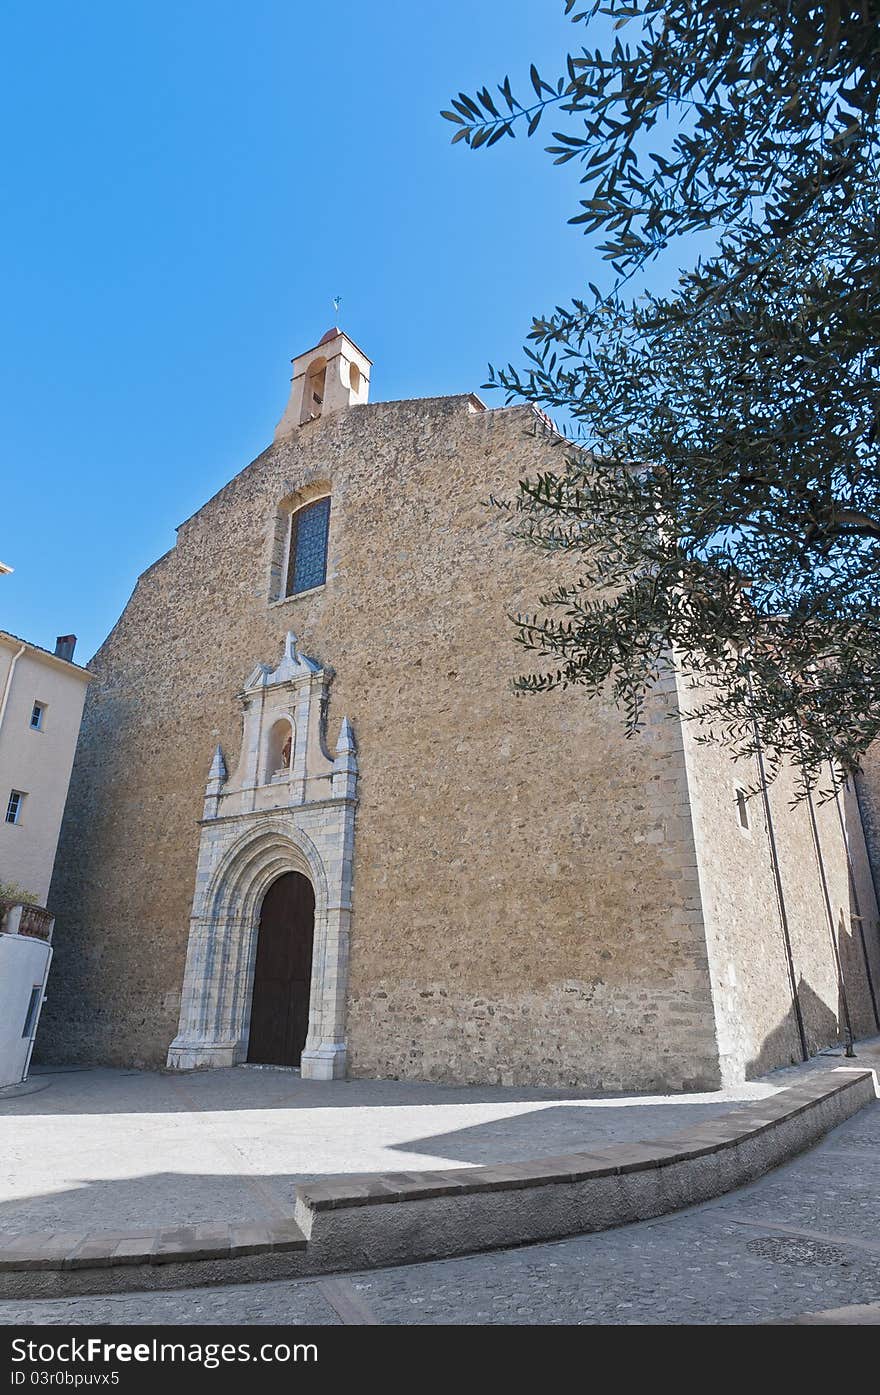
[274, 816]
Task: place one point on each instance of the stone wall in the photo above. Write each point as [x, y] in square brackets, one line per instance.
[867, 786]
[525, 902]
[751, 979]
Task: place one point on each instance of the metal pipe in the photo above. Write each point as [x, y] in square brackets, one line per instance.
[835, 948]
[855, 896]
[861, 808]
[7, 686]
[777, 880]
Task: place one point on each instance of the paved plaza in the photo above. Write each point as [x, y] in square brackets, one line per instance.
[124, 1150]
[804, 1239]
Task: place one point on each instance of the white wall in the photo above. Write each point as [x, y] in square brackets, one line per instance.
[24, 965]
[36, 762]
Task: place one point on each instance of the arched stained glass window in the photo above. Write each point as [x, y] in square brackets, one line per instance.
[307, 557]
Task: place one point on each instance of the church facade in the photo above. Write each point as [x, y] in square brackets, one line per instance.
[311, 824]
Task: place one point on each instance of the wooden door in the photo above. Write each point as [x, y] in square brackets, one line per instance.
[283, 972]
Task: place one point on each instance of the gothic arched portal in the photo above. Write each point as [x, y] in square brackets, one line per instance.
[276, 849]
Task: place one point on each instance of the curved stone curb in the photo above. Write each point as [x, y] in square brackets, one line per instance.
[362, 1222]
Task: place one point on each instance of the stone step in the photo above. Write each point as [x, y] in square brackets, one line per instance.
[215, 1240]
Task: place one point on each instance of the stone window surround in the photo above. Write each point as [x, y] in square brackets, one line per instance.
[741, 808]
[280, 537]
[298, 595]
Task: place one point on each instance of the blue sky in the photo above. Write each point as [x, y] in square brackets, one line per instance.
[185, 188]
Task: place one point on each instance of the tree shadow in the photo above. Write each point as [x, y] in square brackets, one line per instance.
[152, 1201]
[167, 1198]
[781, 1045]
[562, 1129]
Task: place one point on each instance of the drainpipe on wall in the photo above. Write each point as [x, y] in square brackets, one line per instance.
[829, 914]
[855, 897]
[874, 879]
[864, 822]
[777, 881]
[7, 687]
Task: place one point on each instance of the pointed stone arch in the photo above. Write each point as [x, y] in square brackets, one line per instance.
[260, 854]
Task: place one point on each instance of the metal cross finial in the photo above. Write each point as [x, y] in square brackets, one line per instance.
[337, 301]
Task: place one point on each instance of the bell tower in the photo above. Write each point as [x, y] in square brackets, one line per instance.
[331, 376]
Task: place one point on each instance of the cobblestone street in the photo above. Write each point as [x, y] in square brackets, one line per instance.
[804, 1239]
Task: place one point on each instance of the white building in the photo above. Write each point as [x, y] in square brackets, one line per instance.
[41, 702]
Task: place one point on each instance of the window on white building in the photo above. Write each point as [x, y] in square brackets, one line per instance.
[37, 712]
[31, 1014]
[13, 808]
